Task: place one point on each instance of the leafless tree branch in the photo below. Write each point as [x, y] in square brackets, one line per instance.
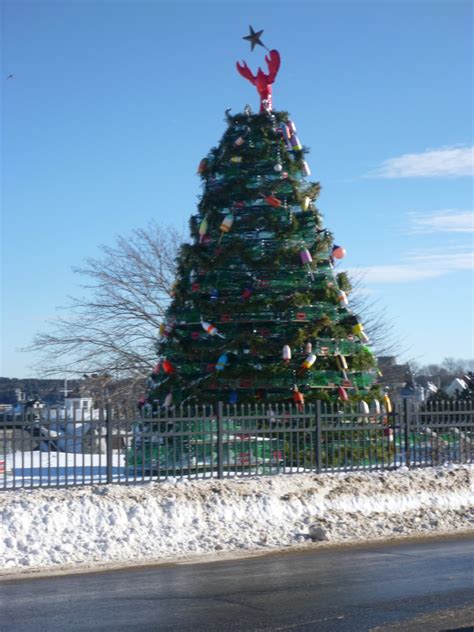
[113, 328]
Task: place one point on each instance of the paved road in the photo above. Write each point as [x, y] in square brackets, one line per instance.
[423, 586]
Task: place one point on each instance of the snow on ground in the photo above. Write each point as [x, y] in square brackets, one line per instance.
[33, 469]
[83, 526]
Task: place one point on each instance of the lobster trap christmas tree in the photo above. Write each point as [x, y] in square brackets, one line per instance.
[259, 312]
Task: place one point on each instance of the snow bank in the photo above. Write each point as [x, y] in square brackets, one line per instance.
[159, 521]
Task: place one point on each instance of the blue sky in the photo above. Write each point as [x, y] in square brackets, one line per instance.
[113, 104]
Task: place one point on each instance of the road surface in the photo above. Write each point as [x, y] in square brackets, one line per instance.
[406, 586]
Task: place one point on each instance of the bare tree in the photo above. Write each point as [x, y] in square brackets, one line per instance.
[113, 329]
[377, 323]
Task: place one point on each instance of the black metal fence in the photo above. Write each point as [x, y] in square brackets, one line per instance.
[45, 447]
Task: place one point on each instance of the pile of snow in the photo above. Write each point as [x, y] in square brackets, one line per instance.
[160, 521]
[33, 469]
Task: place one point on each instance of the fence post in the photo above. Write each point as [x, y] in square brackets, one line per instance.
[406, 432]
[108, 441]
[220, 440]
[318, 437]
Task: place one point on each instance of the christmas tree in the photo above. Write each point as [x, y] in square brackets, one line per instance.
[259, 312]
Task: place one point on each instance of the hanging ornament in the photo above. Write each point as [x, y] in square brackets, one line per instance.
[338, 252]
[358, 331]
[298, 398]
[278, 167]
[286, 353]
[308, 347]
[285, 132]
[239, 141]
[221, 362]
[202, 168]
[342, 298]
[342, 394]
[305, 170]
[272, 200]
[192, 276]
[295, 143]
[305, 202]
[236, 159]
[310, 360]
[168, 368]
[376, 406]
[166, 330]
[211, 329]
[291, 127]
[364, 407]
[306, 259]
[387, 403]
[341, 362]
[305, 256]
[226, 224]
[203, 229]
[214, 295]
[168, 400]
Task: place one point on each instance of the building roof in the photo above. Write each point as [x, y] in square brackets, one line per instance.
[393, 374]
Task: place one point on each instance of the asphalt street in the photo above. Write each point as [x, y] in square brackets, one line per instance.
[406, 586]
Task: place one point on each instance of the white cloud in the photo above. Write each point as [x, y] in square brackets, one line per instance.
[419, 265]
[432, 163]
[445, 221]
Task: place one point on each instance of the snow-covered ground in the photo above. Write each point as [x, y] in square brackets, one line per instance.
[84, 526]
[33, 469]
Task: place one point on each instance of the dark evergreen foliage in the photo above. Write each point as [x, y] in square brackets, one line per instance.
[249, 282]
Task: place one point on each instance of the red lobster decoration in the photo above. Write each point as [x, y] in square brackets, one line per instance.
[261, 81]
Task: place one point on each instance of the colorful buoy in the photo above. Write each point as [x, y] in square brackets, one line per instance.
[203, 229]
[168, 368]
[338, 252]
[305, 202]
[227, 223]
[221, 362]
[387, 403]
[305, 170]
[309, 361]
[342, 298]
[298, 398]
[358, 330]
[211, 329]
[342, 394]
[305, 256]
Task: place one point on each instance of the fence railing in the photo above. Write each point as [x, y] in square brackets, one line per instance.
[44, 447]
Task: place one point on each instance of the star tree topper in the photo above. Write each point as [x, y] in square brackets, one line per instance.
[254, 38]
[262, 81]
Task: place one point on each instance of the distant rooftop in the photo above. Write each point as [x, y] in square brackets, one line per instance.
[393, 374]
